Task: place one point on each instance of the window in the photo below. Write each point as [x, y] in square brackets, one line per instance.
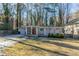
[28, 30]
[41, 29]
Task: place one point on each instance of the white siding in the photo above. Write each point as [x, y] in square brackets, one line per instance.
[22, 31]
[46, 31]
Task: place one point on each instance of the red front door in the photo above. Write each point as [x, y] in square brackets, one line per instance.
[33, 30]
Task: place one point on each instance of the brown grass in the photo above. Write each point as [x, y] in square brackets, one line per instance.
[41, 48]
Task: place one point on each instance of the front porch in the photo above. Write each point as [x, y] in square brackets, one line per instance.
[40, 30]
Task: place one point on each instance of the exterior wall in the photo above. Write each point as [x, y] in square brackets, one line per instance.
[22, 31]
[47, 31]
[76, 31]
[68, 29]
[72, 31]
[26, 31]
[51, 30]
[58, 30]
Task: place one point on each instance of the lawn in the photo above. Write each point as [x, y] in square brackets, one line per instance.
[44, 47]
[2, 39]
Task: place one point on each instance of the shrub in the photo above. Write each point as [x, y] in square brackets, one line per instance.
[56, 35]
[15, 32]
[50, 35]
[61, 36]
[5, 26]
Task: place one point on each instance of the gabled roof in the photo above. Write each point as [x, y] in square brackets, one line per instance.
[74, 21]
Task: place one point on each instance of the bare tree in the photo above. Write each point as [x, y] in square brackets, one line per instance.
[67, 12]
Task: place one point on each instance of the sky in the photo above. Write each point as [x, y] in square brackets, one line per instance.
[74, 7]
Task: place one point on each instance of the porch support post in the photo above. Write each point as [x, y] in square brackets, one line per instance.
[37, 31]
[26, 30]
[31, 30]
[44, 31]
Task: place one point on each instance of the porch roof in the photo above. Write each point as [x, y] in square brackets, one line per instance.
[43, 26]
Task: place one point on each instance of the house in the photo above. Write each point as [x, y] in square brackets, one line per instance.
[72, 29]
[40, 30]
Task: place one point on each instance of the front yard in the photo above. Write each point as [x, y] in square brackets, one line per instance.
[44, 47]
